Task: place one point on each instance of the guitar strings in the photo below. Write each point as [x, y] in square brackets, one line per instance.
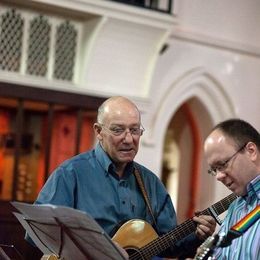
[187, 227]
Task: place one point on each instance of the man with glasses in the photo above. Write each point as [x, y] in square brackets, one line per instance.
[233, 152]
[102, 182]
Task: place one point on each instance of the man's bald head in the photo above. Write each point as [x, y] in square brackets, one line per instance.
[113, 105]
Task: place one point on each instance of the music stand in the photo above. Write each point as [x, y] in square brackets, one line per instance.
[9, 252]
[66, 232]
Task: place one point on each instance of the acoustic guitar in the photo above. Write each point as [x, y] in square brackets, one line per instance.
[141, 241]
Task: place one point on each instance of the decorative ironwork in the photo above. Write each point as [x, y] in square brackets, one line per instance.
[65, 51]
[38, 46]
[27, 41]
[11, 33]
[164, 6]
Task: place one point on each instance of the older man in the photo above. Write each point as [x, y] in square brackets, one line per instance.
[102, 182]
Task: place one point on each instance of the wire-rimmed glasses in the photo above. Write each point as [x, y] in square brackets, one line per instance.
[221, 166]
[120, 131]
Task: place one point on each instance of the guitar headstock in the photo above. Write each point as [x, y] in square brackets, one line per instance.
[206, 247]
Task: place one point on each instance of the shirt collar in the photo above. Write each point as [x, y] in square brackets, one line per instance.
[253, 187]
[107, 163]
[102, 158]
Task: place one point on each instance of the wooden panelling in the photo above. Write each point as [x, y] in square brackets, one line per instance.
[50, 96]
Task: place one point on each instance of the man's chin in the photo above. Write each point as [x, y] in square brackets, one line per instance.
[126, 159]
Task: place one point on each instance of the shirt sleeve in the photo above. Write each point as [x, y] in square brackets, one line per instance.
[59, 189]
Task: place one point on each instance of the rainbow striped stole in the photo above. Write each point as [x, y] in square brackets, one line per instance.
[247, 221]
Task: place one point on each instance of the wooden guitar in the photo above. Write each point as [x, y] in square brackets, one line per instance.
[141, 241]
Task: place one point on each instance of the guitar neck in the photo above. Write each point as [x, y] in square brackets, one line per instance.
[181, 231]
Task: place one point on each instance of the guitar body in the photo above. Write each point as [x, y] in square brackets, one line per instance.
[134, 234]
[141, 241]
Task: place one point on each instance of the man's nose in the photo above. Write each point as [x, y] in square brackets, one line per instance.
[128, 136]
[220, 175]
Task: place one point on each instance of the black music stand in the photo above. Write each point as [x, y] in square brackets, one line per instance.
[66, 233]
[9, 252]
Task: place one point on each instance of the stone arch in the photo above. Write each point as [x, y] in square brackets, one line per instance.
[209, 95]
[196, 83]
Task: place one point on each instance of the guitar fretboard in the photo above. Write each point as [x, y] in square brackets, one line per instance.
[181, 231]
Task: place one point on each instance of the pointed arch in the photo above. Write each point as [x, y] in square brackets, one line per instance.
[196, 83]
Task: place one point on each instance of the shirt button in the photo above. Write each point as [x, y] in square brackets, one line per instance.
[123, 201]
[122, 183]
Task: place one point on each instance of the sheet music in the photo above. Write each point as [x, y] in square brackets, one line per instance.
[66, 232]
[27, 227]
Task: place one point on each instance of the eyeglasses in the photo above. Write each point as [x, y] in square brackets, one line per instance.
[221, 166]
[120, 131]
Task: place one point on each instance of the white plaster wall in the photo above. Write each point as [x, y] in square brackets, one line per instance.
[237, 74]
[222, 39]
[235, 21]
[123, 58]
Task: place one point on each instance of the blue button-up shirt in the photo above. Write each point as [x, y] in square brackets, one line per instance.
[88, 182]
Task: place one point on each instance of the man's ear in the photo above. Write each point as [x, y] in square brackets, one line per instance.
[97, 129]
[252, 150]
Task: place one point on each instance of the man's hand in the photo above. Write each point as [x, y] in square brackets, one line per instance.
[205, 226]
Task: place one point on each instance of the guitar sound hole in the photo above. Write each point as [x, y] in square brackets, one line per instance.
[134, 254]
